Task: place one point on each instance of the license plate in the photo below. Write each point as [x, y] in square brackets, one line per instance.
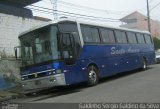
[37, 82]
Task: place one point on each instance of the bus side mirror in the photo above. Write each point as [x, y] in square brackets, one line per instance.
[17, 52]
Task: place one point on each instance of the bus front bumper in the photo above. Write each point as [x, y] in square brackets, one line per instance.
[43, 83]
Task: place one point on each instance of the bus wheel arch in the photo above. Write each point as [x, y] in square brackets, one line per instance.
[92, 74]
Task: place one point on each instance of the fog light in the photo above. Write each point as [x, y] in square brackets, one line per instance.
[50, 73]
[22, 78]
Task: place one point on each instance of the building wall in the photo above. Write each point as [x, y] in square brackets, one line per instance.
[130, 25]
[155, 27]
[10, 27]
[141, 23]
[14, 19]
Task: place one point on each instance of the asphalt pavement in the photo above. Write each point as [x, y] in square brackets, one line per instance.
[134, 86]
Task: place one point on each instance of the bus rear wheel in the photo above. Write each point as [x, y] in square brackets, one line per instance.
[144, 65]
[93, 77]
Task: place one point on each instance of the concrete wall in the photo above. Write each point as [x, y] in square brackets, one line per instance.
[10, 27]
[9, 73]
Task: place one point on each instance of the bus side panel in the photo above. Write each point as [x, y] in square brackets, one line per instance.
[108, 60]
[147, 51]
[128, 58]
[102, 56]
[97, 54]
[151, 55]
[75, 73]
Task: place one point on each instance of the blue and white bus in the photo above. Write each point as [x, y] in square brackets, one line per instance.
[68, 52]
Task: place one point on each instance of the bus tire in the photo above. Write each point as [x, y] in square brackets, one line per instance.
[144, 65]
[93, 76]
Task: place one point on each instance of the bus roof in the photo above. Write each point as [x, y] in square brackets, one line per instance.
[81, 22]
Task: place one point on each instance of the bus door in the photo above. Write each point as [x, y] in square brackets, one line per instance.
[70, 47]
[67, 48]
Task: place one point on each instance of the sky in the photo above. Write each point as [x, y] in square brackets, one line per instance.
[108, 11]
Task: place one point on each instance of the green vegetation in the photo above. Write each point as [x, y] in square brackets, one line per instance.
[156, 43]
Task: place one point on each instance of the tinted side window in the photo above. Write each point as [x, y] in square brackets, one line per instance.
[90, 35]
[95, 34]
[86, 34]
[66, 42]
[140, 38]
[120, 36]
[147, 39]
[107, 35]
[131, 37]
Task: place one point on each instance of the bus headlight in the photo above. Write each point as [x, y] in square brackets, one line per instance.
[50, 73]
[22, 78]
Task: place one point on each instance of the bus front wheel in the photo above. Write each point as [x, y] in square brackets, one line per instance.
[93, 77]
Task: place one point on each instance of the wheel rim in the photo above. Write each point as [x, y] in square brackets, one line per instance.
[92, 76]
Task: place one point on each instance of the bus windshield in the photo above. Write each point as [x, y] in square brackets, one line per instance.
[40, 46]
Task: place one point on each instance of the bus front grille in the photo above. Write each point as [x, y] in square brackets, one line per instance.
[37, 75]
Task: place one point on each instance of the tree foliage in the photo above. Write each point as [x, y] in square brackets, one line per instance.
[156, 43]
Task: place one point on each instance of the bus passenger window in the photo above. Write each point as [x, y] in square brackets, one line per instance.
[140, 38]
[107, 36]
[86, 34]
[90, 35]
[121, 36]
[95, 35]
[147, 39]
[132, 37]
